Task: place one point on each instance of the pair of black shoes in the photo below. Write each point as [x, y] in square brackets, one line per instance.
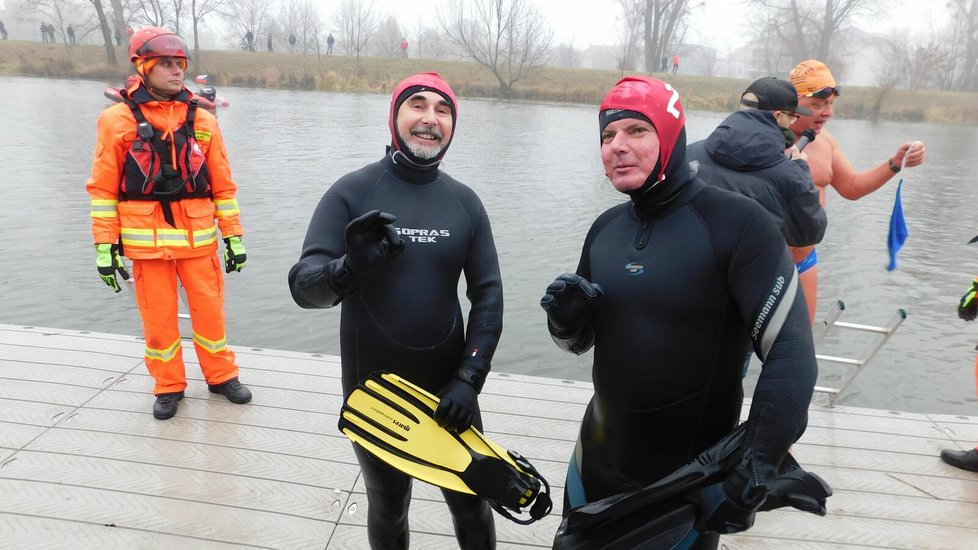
[966, 460]
[166, 403]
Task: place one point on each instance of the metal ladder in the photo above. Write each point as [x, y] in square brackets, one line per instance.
[856, 365]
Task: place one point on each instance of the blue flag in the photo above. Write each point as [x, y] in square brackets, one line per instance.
[898, 229]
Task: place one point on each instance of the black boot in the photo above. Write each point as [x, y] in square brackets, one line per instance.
[235, 391]
[966, 460]
[166, 405]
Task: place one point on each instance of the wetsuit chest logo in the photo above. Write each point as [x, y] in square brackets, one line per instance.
[635, 268]
[422, 235]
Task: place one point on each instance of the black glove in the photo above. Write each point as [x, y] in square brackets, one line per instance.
[968, 307]
[370, 241]
[730, 506]
[568, 301]
[797, 488]
[457, 407]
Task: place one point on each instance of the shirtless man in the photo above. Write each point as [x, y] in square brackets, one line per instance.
[817, 91]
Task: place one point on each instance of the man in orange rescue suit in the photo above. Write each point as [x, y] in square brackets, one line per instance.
[159, 179]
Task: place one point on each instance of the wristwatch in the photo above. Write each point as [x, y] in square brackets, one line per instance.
[894, 167]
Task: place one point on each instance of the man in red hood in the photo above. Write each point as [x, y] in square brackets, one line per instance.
[399, 288]
[673, 287]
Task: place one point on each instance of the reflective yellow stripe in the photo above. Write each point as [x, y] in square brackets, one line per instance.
[212, 346]
[104, 208]
[137, 237]
[226, 207]
[205, 236]
[164, 354]
[172, 237]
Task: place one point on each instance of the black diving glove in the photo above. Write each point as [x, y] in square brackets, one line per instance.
[371, 240]
[730, 506]
[456, 410]
[800, 489]
[568, 302]
[968, 307]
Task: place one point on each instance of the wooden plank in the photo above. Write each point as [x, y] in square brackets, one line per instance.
[233, 490]
[20, 531]
[32, 413]
[161, 514]
[55, 356]
[46, 392]
[334, 477]
[227, 434]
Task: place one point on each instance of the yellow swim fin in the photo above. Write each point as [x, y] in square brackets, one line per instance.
[392, 419]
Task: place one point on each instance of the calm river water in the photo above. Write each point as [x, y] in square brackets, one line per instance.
[536, 167]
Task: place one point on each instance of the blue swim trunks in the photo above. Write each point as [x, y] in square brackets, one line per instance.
[808, 263]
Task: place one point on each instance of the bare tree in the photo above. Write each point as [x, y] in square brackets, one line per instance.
[357, 23]
[54, 12]
[567, 55]
[803, 29]
[199, 9]
[244, 16]
[151, 12]
[964, 22]
[106, 33]
[630, 26]
[665, 23]
[301, 18]
[508, 37]
[387, 39]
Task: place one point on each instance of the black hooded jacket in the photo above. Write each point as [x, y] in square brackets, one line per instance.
[746, 154]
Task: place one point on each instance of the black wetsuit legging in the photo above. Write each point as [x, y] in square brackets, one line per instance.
[405, 317]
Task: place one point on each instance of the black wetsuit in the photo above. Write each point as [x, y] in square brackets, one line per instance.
[405, 317]
[746, 154]
[691, 276]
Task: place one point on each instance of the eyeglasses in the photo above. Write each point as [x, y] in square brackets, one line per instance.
[792, 117]
[824, 93]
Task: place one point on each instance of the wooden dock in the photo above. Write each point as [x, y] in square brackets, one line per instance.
[83, 463]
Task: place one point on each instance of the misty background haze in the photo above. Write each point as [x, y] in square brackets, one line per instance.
[884, 43]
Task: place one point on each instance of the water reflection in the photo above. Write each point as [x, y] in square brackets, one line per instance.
[537, 169]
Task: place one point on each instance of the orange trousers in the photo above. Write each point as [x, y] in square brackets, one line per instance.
[156, 295]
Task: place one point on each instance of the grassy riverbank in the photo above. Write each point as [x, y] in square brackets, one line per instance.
[339, 73]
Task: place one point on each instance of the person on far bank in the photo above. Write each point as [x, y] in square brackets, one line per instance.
[753, 152]
[399, 288]
[160, 179]
[329, 44]
[71, 34]
[817, 91]
[3, 31]
[967, 310]
[675, 63]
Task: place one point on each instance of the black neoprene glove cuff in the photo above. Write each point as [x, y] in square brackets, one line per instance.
[474, 371]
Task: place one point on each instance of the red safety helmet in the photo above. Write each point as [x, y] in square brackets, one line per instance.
[149, 42]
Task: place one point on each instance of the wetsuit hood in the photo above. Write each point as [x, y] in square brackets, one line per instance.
[747, 140]
[658, 102]
[421, 82]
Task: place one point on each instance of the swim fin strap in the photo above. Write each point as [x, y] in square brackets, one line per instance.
[393, 420]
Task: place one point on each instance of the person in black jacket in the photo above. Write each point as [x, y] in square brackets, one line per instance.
[753, 153]
[398, 284]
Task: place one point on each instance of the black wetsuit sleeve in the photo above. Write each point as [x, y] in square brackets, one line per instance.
[805, 219]
[765, 286]
[484, 289]
[320, 278]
